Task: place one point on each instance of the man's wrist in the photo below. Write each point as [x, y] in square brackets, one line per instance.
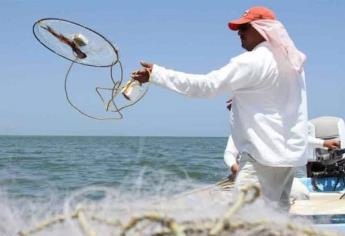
[155, 73]
[150, 71]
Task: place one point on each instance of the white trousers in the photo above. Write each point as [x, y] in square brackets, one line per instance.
[275, 182]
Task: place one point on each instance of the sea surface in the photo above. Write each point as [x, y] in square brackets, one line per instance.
[116, 178]
[37, 167]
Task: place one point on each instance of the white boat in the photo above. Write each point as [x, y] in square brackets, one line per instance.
[320, 196]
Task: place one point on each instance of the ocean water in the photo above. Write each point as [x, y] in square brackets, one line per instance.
[36, 167]
[116, 178]
[41, 176]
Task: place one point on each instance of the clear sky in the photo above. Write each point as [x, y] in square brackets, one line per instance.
[190, 36]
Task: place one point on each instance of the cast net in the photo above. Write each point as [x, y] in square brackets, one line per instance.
[82, 45]
[208, 211]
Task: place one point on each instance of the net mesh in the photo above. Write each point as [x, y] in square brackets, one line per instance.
[82, 45]
[213, 210]
[100, 52]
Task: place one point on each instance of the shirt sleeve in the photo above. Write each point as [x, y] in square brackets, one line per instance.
[315, 142]
[231, 153]
[237, 74]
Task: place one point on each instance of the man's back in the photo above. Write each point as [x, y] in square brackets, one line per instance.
[270, 111]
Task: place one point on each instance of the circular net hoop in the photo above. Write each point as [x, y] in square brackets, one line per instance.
[82, 45]
[58, 35]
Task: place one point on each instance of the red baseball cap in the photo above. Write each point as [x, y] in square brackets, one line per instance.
[252, 14]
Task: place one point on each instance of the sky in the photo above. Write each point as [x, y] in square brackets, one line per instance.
[190, 36]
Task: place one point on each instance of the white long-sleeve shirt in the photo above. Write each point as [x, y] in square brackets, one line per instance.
[312, 140]
[269, 108]
[231, 153]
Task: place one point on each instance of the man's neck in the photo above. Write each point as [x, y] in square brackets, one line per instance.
[260, 44]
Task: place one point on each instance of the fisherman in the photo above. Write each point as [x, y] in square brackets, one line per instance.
[269, 107]
[232, 156]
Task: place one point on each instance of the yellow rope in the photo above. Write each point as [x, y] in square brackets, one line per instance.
[83, 222]
[110, 222]
[42, 225]
[241, 201]
[170, 223]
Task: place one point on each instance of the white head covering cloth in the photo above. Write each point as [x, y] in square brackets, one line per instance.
[275, 33]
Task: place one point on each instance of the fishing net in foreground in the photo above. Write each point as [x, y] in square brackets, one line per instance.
[204, 211]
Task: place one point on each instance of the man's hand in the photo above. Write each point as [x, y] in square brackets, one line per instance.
[331, 143]
[143, 75]
[235, 168]
[228, 104]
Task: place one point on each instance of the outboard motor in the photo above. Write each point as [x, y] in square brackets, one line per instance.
[328, 163]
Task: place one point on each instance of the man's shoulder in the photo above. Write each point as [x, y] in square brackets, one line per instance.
[256, 57]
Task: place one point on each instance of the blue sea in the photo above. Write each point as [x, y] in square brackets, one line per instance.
[37, 167]
[42, 177]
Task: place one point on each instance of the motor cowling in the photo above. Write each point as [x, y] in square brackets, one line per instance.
[326, 128]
